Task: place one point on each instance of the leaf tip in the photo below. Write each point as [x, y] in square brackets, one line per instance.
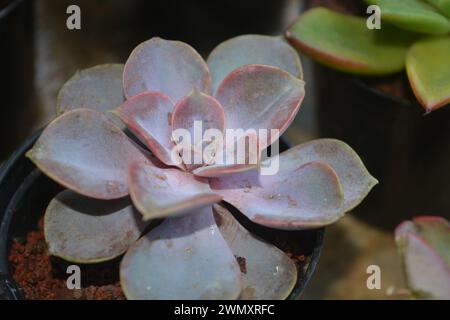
[30, 154]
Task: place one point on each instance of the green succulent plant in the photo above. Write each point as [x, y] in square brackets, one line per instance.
[414, 36]
[423, 244]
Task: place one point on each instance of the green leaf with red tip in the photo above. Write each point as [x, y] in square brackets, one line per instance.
[260, 97]
[428, 68]
[85, 230]
[252, 49]
[149, 116]
[171, 67]
[269, 273]
[159, 193]
[356, 181]
[183, 258]
[306, 196]
[85, 152]
[442, 5]
[345, 43]
[413, 15]
[423, 245]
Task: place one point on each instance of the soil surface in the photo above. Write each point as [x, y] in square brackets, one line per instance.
[43, 277]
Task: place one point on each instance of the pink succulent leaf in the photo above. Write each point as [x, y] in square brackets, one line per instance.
[252, 49]
[98, 88]
[260, 97]
[356, 181]
[238, 155]
[196, 114]
[86, 153]
[159, 193]
[85, 230]
[220, 170]
[306, 196]
[183, 258]
[269, 273]
[423, 244]
[436, 231]
[149, 116]
[171, 67]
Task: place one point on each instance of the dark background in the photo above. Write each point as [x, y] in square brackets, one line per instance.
[38, 54]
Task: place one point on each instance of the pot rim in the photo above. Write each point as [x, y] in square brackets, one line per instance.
[412, 104]
[398, 100]
[9, 289]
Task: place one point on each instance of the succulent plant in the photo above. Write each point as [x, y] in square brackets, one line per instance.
[119, 181]
[414, 35]
[424, 246]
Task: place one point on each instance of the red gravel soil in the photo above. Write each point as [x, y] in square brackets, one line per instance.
[44, 278]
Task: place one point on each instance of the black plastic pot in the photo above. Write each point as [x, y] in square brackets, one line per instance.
[16, 82]
[25, 193]
[407, 151]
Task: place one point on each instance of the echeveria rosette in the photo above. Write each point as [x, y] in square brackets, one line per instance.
[423, 244]
[110, 177]
[414, 35]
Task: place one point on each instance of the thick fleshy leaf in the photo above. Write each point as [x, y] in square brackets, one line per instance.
[413, 15]
[85, 152]
[252, 49]
[98, 88]
[442, 5]
[171, 67]
[239, 154]
[428, 67]
[423, 244]
[269, 273]
[260, 97]
[198, 107]
[85, 230]
[356, 181]
[220, 170]
[307, 196]
[196, 114]
[345, 43]
[159, 193]
[149, 116]
[183, 258]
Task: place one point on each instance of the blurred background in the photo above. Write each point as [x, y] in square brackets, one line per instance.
[39, 54]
